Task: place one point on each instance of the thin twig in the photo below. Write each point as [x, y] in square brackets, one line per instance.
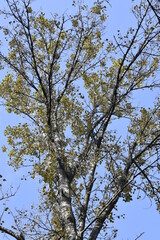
[139, 236]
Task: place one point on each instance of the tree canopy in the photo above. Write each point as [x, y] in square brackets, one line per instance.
[72, 84]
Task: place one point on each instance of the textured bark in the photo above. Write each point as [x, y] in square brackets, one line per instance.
[101, 219]
[65, 204]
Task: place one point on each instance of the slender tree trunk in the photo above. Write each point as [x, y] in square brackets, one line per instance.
[101, 219]
[65, 204]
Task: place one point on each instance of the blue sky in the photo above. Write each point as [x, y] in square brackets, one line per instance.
[140, 216]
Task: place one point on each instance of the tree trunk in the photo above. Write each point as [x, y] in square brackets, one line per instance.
[65, 204]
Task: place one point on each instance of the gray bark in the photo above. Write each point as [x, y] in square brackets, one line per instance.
[65, 204]
[101, 219]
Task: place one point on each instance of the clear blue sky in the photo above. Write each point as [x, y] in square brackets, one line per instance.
[140, 217]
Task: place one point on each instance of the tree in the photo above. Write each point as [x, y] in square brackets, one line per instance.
[73, 84]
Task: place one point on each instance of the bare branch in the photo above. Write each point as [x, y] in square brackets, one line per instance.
[11, 233]
[154, 10]
[140, 235]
